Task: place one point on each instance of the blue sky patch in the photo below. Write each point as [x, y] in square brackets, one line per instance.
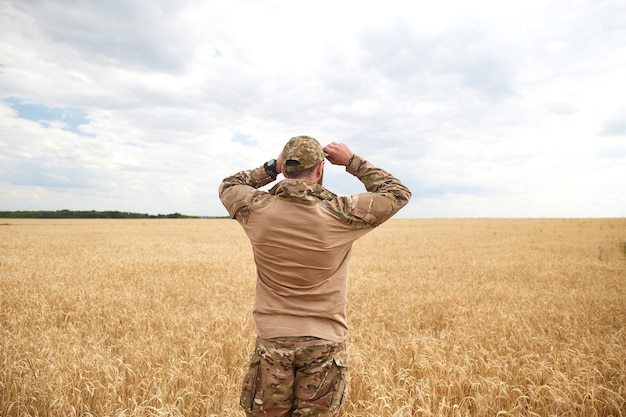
[65, 118]
[245, 140]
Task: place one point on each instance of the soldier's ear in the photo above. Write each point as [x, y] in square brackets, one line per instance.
[320, 169]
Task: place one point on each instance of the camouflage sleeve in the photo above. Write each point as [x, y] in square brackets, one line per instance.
[234, 191]
[385, 197]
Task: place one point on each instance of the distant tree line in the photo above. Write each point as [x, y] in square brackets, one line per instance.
[93, 214]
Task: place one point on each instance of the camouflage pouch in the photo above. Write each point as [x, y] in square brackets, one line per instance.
[250, 382]
[342, 363]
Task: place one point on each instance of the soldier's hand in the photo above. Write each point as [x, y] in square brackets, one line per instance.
[338, 153]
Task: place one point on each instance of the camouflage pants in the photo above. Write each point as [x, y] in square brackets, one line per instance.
[295, 376]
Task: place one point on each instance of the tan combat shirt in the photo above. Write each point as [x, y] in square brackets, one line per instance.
[301, 236]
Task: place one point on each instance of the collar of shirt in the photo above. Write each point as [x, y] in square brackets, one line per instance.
[301, 191]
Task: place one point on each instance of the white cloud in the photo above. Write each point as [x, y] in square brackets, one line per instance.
[483, 108]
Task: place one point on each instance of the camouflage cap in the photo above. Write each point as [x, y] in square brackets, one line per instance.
[302, 152]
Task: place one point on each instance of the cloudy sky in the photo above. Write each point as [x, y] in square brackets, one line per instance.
[486, 108]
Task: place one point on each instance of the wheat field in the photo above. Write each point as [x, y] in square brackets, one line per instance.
[449, 317]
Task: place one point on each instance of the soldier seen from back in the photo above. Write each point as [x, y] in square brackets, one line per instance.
[301, 235]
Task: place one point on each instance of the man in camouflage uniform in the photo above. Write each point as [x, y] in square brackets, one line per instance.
[301, 236]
